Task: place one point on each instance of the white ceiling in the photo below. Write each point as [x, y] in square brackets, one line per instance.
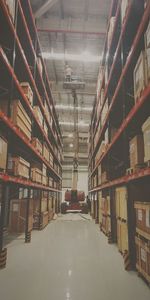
[72, 27]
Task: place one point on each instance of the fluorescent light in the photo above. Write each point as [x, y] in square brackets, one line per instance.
[72, 124]
[71, 145]
[85, 56]
[70, 107]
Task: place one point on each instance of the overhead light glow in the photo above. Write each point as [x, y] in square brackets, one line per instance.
[72, 124]
[85, 56]
[71, 145]
[70, 107]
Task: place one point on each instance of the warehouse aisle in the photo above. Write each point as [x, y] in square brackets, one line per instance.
[69, 260]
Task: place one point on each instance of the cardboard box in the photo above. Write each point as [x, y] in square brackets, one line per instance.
[40, 65]
[3, 153]
[46, 154]
[122, 236]
[27, 91]
[139, 76]
[124, 7]
[147, 37]
[143, 257]
[147, 66]
[11, 8]
[36, 175]
[121, 203]
[17, 219]
[142, 210]
[110, 31]
[38, 114]
[146, 135]
[20, 118]
[45, 127]
[37, 144]
[136, 151]
[18, 166]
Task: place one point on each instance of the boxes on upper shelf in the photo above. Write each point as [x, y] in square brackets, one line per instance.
[124, 7]
[36, 175]
[146, 135]
[37, 144]
[44, 175]
[11, 8]
[147, 66]
[104, 112]
[40, 65]
[100, 79]
[110, 31]
[20, 118]
[3, 153]
[38, 114]
[136, 151]
[27, 91]
[45, 152]
[45, 128]
[147, 37]
[139, 76]
[18, 166]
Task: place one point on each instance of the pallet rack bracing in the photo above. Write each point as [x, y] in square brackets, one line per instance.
[119, 150]
[30, 137]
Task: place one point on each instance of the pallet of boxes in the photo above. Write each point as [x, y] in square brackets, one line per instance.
[122, 224]
[40, 209]
[105, 215]
[142, 239]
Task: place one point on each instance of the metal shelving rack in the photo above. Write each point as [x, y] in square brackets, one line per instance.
[123, 113]
[19, 50]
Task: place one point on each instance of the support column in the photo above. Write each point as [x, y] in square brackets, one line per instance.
[27, 227]
[3, 251]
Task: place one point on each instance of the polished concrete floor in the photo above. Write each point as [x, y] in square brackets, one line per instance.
[69, 260]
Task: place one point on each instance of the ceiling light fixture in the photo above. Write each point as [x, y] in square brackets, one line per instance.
[71, 145]
[85, 56]
[66, 107]
[72, 124]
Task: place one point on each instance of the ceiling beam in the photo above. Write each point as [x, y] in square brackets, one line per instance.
[48, 30]
[44, 8]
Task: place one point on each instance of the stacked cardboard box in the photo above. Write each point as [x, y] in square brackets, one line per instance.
[104, 214]
[11, 8]
[45, 152]
[36, 175]
[122, 218]
[142, 238]
[124, 7]
[146, 135]
[37, 144]
[17, 219]
[38, 114]
[20, 118]
[3, 153]
[18, 166]
[110, 31]
[44, 175]
[27, 91]
[136, 151]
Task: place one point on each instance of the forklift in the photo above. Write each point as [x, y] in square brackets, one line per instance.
[74, 200]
